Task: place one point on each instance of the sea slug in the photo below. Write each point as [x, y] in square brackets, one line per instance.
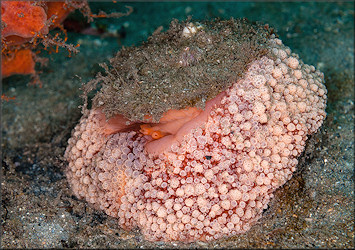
[193, 131]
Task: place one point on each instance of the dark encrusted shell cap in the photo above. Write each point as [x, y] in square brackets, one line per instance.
[183, 67]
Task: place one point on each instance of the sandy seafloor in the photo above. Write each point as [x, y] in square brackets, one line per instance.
[315, 209]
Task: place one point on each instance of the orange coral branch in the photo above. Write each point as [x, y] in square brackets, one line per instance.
[7, 98]
[60, 10]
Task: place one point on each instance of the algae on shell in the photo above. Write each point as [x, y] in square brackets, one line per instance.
[173, 70]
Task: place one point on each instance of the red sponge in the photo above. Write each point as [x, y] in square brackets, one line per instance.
[22, 19]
